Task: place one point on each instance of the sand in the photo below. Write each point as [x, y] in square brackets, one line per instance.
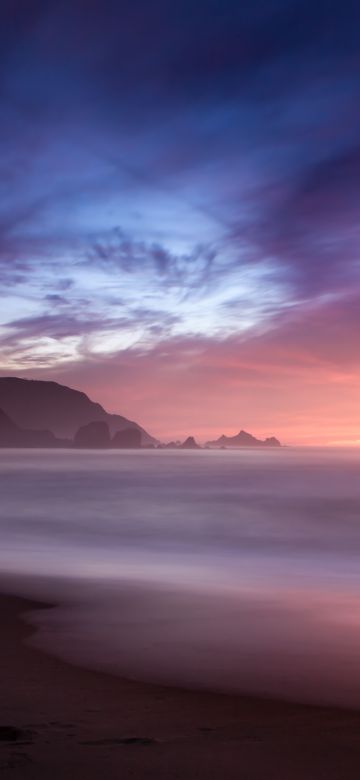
[61, 721]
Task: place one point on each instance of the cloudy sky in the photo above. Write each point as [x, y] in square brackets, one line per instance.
[179, 213]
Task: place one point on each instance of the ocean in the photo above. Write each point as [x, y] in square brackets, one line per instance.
[234, 571]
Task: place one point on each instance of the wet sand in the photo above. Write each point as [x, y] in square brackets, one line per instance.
[61, 721]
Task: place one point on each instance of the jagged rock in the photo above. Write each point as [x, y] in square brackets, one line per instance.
[190, 444]
[94, 434]
[243, 439]
[271, 441]
[36, 404]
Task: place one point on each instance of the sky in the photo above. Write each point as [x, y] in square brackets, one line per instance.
[179, 210]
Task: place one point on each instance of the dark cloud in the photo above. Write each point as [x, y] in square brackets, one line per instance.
[191, 271]
[221, 136]
[313, 231]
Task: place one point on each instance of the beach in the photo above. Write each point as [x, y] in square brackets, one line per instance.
[179, 616]
[61, 721]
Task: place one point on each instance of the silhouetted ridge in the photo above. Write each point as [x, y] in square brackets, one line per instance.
[37, 404]
[243, 439]
[13, 436]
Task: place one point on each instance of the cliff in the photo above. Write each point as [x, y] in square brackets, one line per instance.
[35, 404]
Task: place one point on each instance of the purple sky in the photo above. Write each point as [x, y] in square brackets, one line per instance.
[179, 210]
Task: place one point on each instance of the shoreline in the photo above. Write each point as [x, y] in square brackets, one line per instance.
[58, 720]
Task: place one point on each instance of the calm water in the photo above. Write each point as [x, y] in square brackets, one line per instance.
[224, 570]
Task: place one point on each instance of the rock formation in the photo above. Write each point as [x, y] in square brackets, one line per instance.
[243, 439]
[93, 435]
[190, 444]
[35, 404]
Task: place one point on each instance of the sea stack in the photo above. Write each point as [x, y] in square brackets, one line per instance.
[93, 435]
[190, 444]
[243, 439]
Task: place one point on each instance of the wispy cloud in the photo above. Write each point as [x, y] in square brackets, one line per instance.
[178, 179]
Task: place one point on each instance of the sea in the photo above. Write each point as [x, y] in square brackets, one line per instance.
[235, 571]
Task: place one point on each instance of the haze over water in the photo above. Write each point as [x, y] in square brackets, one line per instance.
[232, 570]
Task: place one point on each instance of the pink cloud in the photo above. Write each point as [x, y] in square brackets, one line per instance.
[300, 381]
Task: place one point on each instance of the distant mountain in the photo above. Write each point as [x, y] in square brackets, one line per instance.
[243, 439]
[35, 404]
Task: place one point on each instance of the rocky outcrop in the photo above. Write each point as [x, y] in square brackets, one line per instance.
[93, 435]
[190, 444]
[272, 442]
[35, 405]
[243, 439]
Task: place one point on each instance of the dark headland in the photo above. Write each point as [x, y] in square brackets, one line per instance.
[36, 413]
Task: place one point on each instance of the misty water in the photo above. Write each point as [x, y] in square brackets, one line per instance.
[232, 570]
